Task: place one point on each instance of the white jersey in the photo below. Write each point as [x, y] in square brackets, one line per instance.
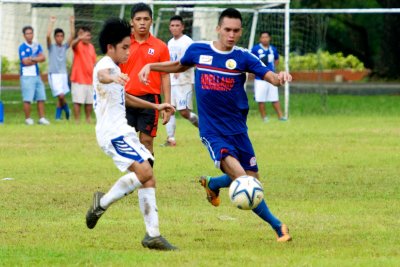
[177, 49]
[109, 105]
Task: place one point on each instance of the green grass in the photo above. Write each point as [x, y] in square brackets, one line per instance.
[331, 174]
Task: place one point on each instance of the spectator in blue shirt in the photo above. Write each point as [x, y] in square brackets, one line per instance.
[30, 54]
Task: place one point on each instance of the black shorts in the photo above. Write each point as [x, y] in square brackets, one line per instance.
[144, 120]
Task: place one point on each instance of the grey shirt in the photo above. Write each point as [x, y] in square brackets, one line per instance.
[58, 58]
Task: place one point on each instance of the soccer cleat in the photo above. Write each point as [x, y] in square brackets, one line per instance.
[212, 197]
[169, 142]
[29, 121]
[265, 119]
[158, 243]
[43, 121]
[285, 234]
[95, 211]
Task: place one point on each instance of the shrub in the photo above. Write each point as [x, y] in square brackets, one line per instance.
[322, 60]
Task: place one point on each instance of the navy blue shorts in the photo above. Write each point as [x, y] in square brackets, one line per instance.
[237, 146]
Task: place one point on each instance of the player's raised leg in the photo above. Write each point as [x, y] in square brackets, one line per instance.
[124, 186]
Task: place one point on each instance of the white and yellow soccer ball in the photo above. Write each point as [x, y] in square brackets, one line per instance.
[246, 192]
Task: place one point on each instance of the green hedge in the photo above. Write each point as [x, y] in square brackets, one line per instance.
[322, 60]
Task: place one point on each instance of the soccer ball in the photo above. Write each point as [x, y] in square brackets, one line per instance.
[246, 192]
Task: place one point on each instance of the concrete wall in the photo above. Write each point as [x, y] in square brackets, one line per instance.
[204, 25]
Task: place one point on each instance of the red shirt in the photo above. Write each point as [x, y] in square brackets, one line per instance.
[150, 51]
[84, 60]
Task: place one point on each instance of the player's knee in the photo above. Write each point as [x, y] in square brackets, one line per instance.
[144, 172]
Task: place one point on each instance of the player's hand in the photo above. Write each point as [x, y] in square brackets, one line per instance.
[72, 19]
[144, 74]
[284, 77]
[81, 34]
[53, 19]
[167, 107]
[121, 79]
[166, 116]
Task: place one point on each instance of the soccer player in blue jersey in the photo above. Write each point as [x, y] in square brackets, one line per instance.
[263, 90]
[223, 106]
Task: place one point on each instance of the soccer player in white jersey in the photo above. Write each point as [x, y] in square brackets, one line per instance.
[223, 106]
[181, 83]
[118, 139]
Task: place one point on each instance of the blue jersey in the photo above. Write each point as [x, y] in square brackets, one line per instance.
[219, 84]
[268, 56]
[29, 50]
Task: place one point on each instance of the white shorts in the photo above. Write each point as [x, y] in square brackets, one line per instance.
[58, 83]
[82, 93]
[265, 92]
[125, 150]
[181, 96]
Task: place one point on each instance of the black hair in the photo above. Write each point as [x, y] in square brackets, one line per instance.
[85, 28]
[24, 29]
[265, 32]
[113, 32]
[230, 13]
[176, 17]
[58, 30]
[139, 7]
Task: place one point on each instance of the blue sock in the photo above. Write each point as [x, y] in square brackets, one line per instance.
[66, 109]
[58, 113]
[219, 182]
[263, 212]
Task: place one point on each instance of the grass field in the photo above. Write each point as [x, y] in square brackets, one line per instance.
[331, 173]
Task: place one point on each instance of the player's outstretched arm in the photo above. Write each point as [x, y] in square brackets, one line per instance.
[277, 78]
[167, 66]
[136, 102]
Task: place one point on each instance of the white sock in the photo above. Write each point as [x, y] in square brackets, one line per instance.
[194, 119]
[124, 186]
[171, 125]
[148, 207]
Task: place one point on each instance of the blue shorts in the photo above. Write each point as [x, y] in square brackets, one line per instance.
[237, 146]
[32, 89]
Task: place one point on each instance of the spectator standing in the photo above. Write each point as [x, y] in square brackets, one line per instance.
[30, 54]
[82, 73]
[263, 90]
[58, 75]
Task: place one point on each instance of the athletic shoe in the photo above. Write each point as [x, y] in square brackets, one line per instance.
[158, 243]
[169, 142]
[283, 119]
[285, 234]
[95, 211]
[212, 197]
[44, 121]
[29, 121]
[266, 119]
